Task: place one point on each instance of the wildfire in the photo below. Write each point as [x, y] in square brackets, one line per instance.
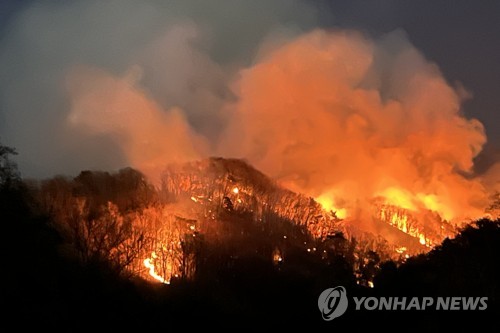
[401, 249]
[399, 218]
[148, 263]
[398, 197]
[327, 202]
[433, 203]
[277, 256]
[337, 121]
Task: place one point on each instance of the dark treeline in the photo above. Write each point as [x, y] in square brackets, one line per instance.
[51, 281]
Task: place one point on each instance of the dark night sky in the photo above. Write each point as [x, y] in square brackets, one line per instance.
[461, 36]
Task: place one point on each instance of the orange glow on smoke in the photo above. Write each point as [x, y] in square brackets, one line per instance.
[322, 115]
[398, 197]
[327, 202]
[149, 136]
[333, 115]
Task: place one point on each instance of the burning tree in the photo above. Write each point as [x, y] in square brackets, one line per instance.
[134, 239]
[160, 234]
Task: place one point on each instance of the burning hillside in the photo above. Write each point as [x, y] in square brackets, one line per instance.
[159, 233]
[162, 233]
[235, 185]
[362, 140]
[180, 159]
[332, 115]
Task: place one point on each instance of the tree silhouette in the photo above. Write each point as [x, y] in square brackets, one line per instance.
[8, 169]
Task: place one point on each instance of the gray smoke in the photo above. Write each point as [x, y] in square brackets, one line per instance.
[183, 53]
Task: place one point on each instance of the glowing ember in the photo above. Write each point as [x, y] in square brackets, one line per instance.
[421, 239]
[277, 258]
[236, 190]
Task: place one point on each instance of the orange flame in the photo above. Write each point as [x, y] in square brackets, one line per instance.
[148, 263]
[328, 204]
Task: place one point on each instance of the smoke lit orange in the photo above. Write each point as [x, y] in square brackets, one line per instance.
[335, 115]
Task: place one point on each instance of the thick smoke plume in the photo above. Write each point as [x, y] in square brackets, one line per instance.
[147, 135]
[335, 114]
[346, 119]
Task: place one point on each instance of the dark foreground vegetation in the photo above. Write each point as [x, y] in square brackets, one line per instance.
[47, 285]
